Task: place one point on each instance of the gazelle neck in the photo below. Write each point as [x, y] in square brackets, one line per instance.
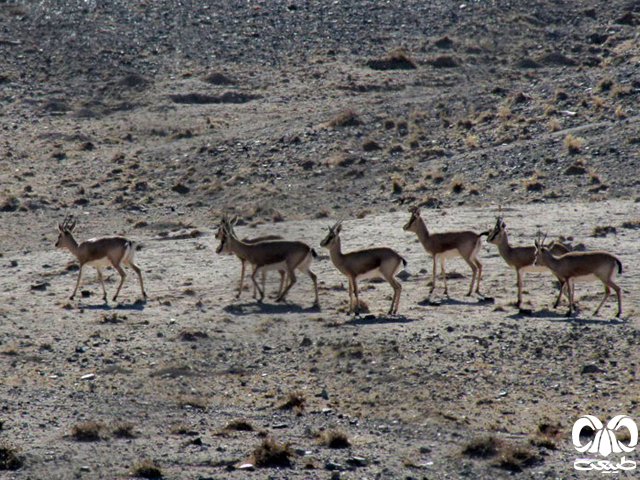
[421, 230]
[335, 250]
[503, 247]
[72, 245]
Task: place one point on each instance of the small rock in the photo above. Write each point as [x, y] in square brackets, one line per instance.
[333, 466]
[40, 286]
[357, 461]
[88, 376]
[590, 369]
[181, 189]
[247, 466]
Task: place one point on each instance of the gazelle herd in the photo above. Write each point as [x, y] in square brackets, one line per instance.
[274, 253]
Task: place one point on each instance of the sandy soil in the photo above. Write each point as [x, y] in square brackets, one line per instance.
[151, 119]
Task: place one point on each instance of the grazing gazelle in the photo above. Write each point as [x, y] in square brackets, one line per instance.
[243, 261]
[447, 245]
[270, 255]
[593, 265]
[99, 252]
[369, 263]
[520, 258]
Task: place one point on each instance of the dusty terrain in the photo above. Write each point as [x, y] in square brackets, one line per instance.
[150, 119]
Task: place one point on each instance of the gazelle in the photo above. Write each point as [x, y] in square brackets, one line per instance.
[99, 252]
[441, 246]
[243, 261]
[581, 266]
[520, 258]
[271, 255]
[369, 263]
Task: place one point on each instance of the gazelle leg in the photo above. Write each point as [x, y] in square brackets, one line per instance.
[616, 288]
[355, 292]
[255, 284]
[139, 273]
[444, 277]
[563, 285]
[314, 279]
[474, 269]
[397, 290]
[350, 296]
[283, 275]
[123, 275]
[433, 275]
[292, 281]
[607, 291]
[104, 290]
[479, 266]
[571, 291]
[264, 281]
[519, 283]
[77, 283]
[241, 283]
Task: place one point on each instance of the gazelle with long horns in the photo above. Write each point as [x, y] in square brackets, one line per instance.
[520, 258]
[591, 265]
[441, 246]
[381, 262]
[99, 252]
[243, 261]
[272, 255]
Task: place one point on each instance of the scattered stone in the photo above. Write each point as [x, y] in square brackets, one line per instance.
[590, 368]
[181, 189]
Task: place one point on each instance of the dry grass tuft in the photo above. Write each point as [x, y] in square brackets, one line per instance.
[146, 469]
[88, 431]
[346, 118]
[573, 144]
[239, 425]
[271, 454]
[334, 439]
[553, 125]
[398, 59]
[9, 459]
[457, 184]
[484, 447]
[472, 141]
[295, 401]
[199, 403]
[516, 458]
[123, 430]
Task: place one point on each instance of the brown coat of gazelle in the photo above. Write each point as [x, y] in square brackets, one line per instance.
[271, 255]
[243, 261]
[440, 246]
[573, 266]
[369, 263]
[99, 252]
[520, 258]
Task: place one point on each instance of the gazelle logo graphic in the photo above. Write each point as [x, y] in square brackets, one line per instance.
[605, 443]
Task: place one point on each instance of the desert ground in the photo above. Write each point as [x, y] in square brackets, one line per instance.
[153, 119]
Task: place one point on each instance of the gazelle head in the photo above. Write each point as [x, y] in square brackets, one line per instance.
[495, 236]
[65, 235]
[540, 250]
[411, 225]
[333, 236]
[225, 230]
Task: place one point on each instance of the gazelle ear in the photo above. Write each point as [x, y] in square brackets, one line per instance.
[234, 220]
[338, 228]
[60, 227]
[72, 226]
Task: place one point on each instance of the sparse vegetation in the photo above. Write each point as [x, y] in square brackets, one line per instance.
[334, 439]
[146, 469]
[346, 118]
[295, 401]
[9, 459]
[239, 425]
[200, 403]
[573, 144]
[123, 430]
[484, 447]
[271, 454]
[88, 431]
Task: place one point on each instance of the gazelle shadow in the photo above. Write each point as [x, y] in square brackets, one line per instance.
[378, 319]
[258, 308]
[138, 305]
[471, 302]
[558, 316]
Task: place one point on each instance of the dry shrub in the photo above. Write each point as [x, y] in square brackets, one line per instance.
[553, 125]
[516, 458]
[605, 84]
[335, 439]
[88, 431]
[573, 144]
[146, 469]
[123, 430]
[484, 447]
[239, 425]
[457, 184]
[346, 118]
[471, 141]
[295, 401]
[398, 59]
[397, 185]
[370, 145]
[603, 231]
[620, 112]
[271, 454]
[546, 435]
[9, 459]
